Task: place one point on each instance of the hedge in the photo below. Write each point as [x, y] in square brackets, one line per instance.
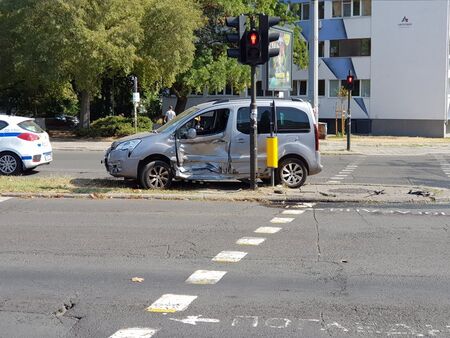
[115, 126]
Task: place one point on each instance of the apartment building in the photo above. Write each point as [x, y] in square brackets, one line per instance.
[398, 51]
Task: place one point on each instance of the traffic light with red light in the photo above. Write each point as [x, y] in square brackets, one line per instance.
[252, 48]
[350, 82]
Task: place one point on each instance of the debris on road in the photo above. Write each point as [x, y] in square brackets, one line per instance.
[137, 279]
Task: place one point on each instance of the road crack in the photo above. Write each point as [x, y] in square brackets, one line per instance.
[319, 251]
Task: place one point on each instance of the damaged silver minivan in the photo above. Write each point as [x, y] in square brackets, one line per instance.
[210, 142]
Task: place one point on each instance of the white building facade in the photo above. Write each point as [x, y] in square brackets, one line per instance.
[398, 51]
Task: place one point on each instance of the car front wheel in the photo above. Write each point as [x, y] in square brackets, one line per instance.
[292, 173]
[10, 164]
[156, 175]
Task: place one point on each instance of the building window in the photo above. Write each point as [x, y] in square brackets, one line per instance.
[321, 9]
[348, 8]
[298, 88]
[303, 88]
[321, 49]
[334, 88]
[321, 86]
[361, 88]
[350, 47]
[365, 88]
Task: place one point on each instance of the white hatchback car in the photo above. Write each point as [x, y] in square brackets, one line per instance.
[23, 145]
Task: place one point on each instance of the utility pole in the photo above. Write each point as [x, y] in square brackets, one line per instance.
[136, 100]
[313, 69]
[349, 85]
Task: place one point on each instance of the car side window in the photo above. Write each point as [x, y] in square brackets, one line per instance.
[3, 125]
[289, 120]
[263, 118]
[292, 120]
[210, 123]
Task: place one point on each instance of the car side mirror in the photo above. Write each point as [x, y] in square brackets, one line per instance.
[191, 134]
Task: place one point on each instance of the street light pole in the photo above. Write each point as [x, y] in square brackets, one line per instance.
[313, 69]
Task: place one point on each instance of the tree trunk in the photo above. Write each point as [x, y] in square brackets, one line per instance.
[181, 104]
[85, 114]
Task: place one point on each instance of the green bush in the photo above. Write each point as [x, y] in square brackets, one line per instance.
[115, 126]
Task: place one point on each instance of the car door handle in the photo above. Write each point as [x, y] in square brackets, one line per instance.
[240, 140]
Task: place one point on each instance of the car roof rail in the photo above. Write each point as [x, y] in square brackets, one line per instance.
[221, 101]
[297, 99]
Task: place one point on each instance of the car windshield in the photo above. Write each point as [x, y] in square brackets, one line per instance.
[177, 118]
[30, 125]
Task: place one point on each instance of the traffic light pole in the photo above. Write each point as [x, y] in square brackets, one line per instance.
[253, 131]
[349, 120]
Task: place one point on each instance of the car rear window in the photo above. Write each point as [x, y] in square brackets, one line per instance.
[3, 125]
[30, 125]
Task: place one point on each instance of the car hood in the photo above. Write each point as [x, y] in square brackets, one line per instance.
[132, 137]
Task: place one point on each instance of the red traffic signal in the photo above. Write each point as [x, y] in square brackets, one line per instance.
[253, 39]
[350, 82]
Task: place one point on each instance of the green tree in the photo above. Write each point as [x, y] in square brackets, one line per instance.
[49, 43]
[211, 67]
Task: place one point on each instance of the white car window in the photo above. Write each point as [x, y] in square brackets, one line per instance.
[30, 125]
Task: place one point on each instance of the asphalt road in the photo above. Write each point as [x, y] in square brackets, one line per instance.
[404, 170]
[332, 270]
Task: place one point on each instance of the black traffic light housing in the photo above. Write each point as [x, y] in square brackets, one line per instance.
[252, 47]
[350, 82]
[237, 22]
[265, 22]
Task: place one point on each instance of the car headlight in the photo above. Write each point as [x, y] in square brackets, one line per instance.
[128, 145]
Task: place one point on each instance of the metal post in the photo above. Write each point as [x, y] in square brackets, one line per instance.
[253, 131]
[135, 104]
[349, 120]
[313, 69]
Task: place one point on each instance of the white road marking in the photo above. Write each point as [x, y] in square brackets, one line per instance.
[267, 230]
[338, 178]
[229, 256]
[3, 199]
[334, 182]
[304, 205]
[281, 220]
[293, 212]
[250, 241]
[193, 320]
[171, 303]
[205, 277]
[341, 175]
[134, 332]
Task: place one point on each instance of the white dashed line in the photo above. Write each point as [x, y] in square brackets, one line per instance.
[338, 178]
[293, 212]
[170, 303]
[3, 199]
[334, 182]
[250, 241]
[341, 175]
[267, 230]
[134, 332]
[229, 256]
[205, 277]
[281, 220]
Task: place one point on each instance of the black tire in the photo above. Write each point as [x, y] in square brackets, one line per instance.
[156, 175]
[292, 173]
[10, 164]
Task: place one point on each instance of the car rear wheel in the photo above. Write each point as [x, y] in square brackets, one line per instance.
[156, 175]
[292, 173]
[10, 164]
